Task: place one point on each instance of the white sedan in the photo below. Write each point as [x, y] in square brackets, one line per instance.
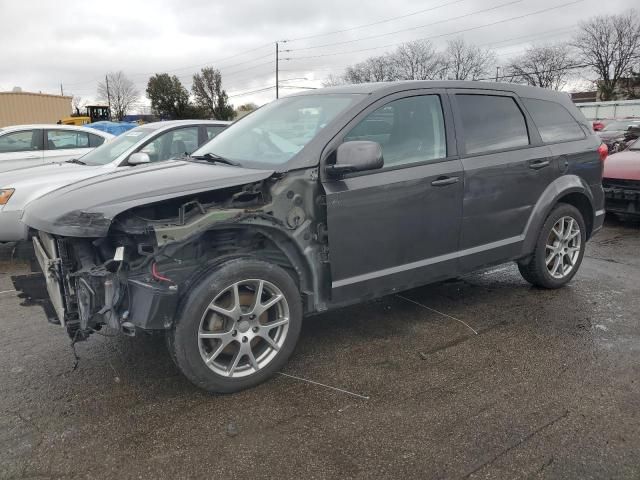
[152, 142]
[30, 145]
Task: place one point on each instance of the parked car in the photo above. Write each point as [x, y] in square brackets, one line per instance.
[598, 125]
[622, 182]
[24, 146]
[152, 142]
[613, 134]
[317, 201]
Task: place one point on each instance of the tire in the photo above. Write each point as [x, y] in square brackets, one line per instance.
[568, 254]
[219, 341]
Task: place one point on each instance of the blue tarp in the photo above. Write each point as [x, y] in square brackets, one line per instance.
[114, 128]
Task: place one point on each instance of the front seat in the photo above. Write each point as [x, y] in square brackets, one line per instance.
[178, 148]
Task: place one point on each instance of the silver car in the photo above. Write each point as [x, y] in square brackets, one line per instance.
[152, 142]
[34, 145]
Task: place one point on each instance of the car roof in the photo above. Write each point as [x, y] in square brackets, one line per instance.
[399, 86]
[164, 124]
[56, 126]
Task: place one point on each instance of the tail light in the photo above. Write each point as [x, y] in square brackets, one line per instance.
[603, 151]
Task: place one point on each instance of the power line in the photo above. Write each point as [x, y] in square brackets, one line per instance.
[406, 29]
[379, 22]
[439, 35]
[240, 94]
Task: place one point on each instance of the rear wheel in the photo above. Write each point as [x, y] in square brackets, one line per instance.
[559, 249]
[238, 326]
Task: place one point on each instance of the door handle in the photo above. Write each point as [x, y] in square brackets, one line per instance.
[538, 164]
[442, 181]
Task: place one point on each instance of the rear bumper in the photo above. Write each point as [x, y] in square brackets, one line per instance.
[622, 200]
[11, 227]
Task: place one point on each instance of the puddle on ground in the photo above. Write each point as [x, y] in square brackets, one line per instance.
[32, 289]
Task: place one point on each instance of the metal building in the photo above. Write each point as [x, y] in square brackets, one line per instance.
[17, 108]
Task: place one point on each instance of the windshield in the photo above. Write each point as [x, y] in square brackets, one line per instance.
[621, 125]
[108, 152]
[272, 135]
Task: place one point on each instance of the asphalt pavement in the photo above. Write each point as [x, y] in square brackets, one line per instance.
[479, 377]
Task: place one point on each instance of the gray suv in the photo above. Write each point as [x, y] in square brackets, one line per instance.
[317, 201]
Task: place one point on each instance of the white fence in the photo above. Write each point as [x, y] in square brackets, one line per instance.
[615, 109]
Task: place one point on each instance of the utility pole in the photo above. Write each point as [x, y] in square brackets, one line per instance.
[61, 91]
[277, 82]
[106, 79]
[497, 73]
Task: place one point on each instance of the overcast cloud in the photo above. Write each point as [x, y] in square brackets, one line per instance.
[75, 42]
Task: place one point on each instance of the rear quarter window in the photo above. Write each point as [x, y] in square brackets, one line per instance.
[554, 122]
[491, 123]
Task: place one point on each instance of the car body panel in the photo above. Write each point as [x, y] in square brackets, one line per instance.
[86, 208]
[624, 165]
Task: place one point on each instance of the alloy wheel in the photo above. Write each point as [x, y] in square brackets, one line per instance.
[563, 247]
[243, 328]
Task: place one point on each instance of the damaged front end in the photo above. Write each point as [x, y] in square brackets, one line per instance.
[134, 278]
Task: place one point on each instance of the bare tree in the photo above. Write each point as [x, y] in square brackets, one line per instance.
[333, 80]
[546, 66]
[418, 60]
[122, 93]
[77, 102]
[209, 94]
[467, 62]
[610, 45]
[373, 69]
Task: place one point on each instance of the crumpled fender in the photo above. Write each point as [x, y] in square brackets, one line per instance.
[87, 208]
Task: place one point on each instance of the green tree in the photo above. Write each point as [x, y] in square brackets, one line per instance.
[169, 98]
[209, 94]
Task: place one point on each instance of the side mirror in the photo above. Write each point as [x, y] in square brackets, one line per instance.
[138, 158]
[356, 156]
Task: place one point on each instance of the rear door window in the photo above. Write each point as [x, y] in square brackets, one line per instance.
[66, 139]
[491, 122]
[554, 122]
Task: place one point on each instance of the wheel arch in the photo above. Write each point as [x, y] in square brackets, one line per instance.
[280, 249]
[570, 189]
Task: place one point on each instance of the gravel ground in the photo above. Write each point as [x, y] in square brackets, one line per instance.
[481, 377]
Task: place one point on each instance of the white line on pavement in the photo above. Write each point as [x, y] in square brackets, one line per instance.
[323, 385]
[440, 313]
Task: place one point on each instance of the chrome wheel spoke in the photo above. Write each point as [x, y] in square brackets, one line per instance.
[276, 323]
[260, 308]
[217, 352]
[252, 360]
[235, 360]
[270, 341]
[556, 265]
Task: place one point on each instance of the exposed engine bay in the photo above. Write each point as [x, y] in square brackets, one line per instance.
[135, 277]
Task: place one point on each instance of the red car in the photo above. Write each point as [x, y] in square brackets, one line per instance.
[621, 182]
[598, 125]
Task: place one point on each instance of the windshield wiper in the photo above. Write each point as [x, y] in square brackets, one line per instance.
[214, 158]
[75, 160]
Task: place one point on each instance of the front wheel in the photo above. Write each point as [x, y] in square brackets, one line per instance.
[559, 249]
[238, 326]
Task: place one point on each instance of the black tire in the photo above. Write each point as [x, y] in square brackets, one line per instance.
[535, 270]
[183, 340]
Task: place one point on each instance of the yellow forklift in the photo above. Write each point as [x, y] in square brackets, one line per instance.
[94, 113]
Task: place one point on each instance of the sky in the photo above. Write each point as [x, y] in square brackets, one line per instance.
[46, 44]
